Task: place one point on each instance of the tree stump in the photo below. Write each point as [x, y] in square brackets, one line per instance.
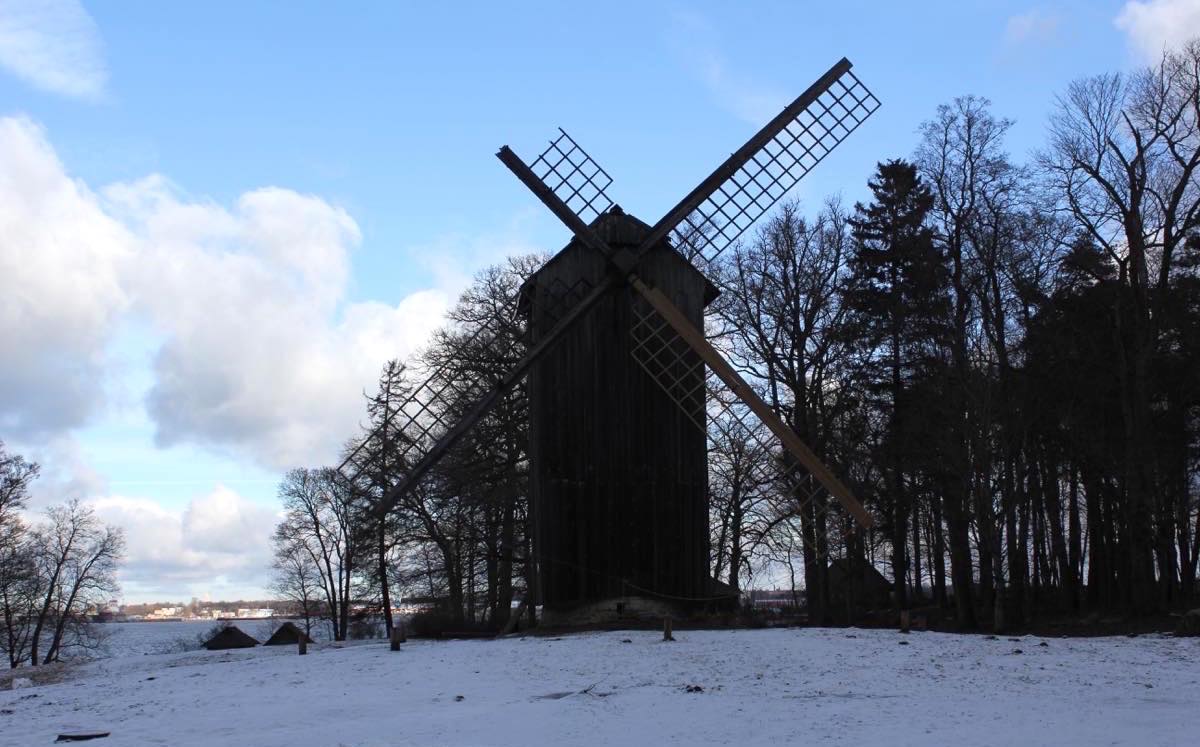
[397, 637]
[302, 644]
[667, 629]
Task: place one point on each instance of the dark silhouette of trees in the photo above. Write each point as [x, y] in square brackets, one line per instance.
[896, 299]
[1124, 161]
[1000, 360]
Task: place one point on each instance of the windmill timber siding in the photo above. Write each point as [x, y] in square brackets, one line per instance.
[619, 472]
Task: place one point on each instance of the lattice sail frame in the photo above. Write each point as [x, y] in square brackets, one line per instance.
[574, 176]
[432, 407]
[720, 220]
[681, 374]
[429, 412]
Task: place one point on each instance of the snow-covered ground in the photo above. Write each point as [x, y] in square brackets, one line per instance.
[797, 686]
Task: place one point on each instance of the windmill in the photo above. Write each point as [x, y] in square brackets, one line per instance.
[620, 377]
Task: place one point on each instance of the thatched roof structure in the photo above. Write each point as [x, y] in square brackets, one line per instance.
[287, 634]
[230, 637]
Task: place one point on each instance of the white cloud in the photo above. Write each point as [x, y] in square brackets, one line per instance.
[1157, 25]
[257, 351]
[254, 349]
[53, 45]
[1032, 26]
[694, 42]
[218, 546]
[61, 292]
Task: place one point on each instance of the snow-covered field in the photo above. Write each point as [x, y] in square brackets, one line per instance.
[797, 686]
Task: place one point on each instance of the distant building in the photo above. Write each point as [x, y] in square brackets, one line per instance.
[775, 599]
[230, 637]
[868, 587]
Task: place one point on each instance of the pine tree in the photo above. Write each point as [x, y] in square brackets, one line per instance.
[899, 309]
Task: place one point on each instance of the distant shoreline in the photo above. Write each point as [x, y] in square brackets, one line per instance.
[196, 619]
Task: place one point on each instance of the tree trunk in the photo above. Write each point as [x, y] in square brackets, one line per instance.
[384, 586]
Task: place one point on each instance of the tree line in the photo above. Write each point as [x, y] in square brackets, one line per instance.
[999, 357]
[51, 571]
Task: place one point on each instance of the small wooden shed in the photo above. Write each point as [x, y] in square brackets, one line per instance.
[869, 588]
[287, 634]
[230, 637]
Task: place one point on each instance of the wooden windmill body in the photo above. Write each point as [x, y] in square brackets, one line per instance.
[619, 472]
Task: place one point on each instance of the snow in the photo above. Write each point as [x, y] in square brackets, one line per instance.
[812, 686]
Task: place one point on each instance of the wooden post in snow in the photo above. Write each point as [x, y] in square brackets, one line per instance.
[397, 636]
[667, 629]
[302, 644]
[904, 615]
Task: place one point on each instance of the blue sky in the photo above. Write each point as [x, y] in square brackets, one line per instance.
[240, 210]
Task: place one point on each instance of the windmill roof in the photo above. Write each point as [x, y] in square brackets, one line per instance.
[287, 633]
[620, 229]
[230, 637]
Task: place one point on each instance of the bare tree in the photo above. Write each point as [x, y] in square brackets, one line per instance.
[76, 558]
[296, 576]
[16, 474]
[1124, 155]
[780, 306]
[319, 521]
[742, 499]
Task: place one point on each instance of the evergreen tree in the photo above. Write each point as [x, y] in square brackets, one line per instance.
[897, 302]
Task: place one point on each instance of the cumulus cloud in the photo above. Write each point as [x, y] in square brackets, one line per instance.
[61, 291]
[218, 545]
[53, 45]
[253, 346]
[257, 351]
[1157, 25]
[256, 356]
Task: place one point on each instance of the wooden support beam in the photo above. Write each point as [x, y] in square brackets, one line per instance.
[726, 373]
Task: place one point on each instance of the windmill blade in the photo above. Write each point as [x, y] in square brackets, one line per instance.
[680, 372]
[574, 177]
[739, 191]
[425, 414]
[691, 339]
[749, 183]
[439, 441]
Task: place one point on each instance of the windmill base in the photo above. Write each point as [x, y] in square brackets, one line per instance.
[615, 611]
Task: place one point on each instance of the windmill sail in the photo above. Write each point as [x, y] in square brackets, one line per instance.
[448, 384]
[782, 153]
[703, 224]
